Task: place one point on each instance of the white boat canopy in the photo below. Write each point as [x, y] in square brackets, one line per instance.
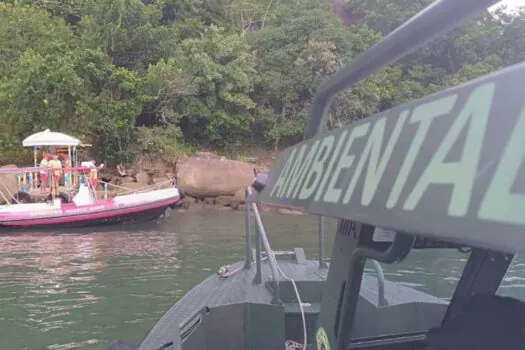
[50, 138]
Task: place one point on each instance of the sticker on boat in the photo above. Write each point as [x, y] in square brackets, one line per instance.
[322, 340]
[382, 235]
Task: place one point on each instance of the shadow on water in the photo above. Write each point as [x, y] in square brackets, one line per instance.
[80, 289]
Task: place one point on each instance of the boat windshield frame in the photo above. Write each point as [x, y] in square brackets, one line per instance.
[402, 169]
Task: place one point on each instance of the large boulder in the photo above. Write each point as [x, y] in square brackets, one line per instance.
[211, 177]
[8, 184]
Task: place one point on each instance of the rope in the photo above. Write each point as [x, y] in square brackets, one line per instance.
[292, 345]
[226, 271]
[8, 202]
[128, 190]
[303, 317]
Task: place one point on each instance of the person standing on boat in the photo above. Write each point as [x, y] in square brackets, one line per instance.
[56, 169]
[68, 172]
[44, 163]
[93, 174]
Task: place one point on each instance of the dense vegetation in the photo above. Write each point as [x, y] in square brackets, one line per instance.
[159, 76]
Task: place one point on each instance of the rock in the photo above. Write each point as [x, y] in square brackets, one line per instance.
[151, 178]
[106, 177]
[210, 201]
[132, 174]
[8, 184]
[240, 195]
[142, 178]
[207, 155]
[210, 177]
[121, 170]
[224, 200]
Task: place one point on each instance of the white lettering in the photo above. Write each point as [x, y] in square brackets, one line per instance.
[424, 115]
[376, 166]
[317, 168]
[295, 173]
[333, 159]
[282, 176]
[461, 174]
[333, 194]
[293, 184]
[499, 203]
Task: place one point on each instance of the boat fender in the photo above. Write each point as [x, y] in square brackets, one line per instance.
[21, 197]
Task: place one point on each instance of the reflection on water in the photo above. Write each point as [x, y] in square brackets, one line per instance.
[80, 290]
[51, 284]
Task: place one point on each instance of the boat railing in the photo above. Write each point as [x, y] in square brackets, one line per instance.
[381, 300]
[260, 238]
[126, 190]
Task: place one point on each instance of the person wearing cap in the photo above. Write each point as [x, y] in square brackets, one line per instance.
[44, 163]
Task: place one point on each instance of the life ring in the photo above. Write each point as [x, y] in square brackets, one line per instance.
[21, 197]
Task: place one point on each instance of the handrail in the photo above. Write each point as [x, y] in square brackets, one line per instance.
[320, 236]
[435, 20]
[261, 237]
[381, 300]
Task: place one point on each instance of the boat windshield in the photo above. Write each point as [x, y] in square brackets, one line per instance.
[422, 286]
[513, 284]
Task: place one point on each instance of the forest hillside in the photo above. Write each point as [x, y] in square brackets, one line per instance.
[163, 77]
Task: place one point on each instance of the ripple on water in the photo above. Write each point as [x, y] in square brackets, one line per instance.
[55, 286]
[80, 290]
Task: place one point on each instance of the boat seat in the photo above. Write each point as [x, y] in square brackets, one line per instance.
[486, 322]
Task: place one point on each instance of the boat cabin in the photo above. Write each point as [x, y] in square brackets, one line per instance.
[415, 188]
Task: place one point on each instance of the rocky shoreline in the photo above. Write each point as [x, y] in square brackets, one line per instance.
[205, 204]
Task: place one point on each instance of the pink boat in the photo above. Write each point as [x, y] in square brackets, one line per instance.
[85, 210]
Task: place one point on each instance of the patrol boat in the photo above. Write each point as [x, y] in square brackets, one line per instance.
[438, 174]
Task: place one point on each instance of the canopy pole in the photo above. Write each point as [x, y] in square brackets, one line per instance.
[69, 171]
[34, 183]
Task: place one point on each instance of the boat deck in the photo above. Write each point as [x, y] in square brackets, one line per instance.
[240, 288]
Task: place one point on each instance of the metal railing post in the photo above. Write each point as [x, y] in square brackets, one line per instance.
[247, 228]
[263, 239]
[258, 274]
[381, 300]
[322, 262]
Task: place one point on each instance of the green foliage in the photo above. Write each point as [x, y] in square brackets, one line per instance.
[148, 78]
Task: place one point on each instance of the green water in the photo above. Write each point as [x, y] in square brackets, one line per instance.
[83, 289]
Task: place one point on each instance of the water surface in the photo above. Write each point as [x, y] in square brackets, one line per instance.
[83, 289]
